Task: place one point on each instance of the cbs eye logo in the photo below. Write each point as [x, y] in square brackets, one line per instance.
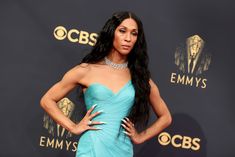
[74, 35]
[164, 138]
[179, 141]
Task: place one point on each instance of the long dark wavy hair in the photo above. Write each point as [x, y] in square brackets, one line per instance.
[137, 63]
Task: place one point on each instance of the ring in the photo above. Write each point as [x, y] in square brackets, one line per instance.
[89, 122]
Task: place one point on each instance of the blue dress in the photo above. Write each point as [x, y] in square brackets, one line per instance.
[110, 141]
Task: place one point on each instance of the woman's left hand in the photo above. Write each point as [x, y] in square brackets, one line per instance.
[131, 131]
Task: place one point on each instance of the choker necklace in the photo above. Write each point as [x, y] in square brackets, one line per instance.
[115, 65]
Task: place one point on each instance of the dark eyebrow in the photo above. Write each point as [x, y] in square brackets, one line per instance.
[127, 28]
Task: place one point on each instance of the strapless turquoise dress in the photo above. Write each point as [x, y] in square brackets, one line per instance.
[110, 141]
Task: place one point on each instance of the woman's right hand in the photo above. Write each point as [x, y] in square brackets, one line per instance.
[84, 125]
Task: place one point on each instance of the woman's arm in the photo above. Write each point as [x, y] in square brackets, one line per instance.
[48, 102]
[71, 79]
[162, 112]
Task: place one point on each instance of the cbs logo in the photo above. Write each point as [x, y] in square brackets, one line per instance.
[75, 35]
[179, 141]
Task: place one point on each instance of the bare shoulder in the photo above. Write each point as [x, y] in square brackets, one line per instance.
[152, 83]
[77, 73]
[153, 87]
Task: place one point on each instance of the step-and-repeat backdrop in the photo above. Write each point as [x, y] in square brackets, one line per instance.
[190, 45]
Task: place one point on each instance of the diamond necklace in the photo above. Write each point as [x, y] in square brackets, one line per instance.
[115, 65]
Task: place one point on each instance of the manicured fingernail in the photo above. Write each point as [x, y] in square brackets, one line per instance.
[98, 128]
[124, 120]
[94, 105]
[101, 111]
[103, 122]
[123, 125]
[127, 118]
[124, 132]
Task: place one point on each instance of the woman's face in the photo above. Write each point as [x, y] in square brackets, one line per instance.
[125, 36]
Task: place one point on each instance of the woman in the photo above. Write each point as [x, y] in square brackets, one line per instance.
[117, 90]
